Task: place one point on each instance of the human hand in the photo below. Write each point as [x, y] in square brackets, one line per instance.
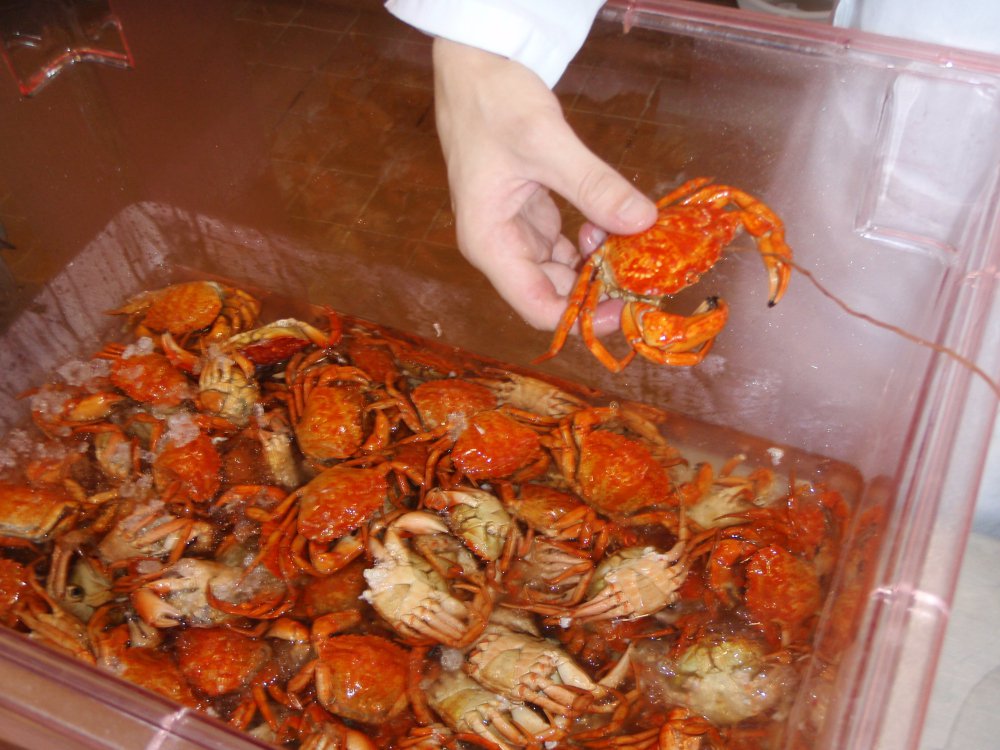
[507, 144]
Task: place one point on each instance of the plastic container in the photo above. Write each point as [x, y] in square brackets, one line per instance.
[971, 27]
[291, 147]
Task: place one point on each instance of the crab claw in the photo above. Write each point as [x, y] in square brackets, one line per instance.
[762, 224]
[768, 232]
[179, 357]
[154, 611]
[776, 253]
[671, 339]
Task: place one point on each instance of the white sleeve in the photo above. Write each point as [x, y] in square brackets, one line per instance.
[544, 35]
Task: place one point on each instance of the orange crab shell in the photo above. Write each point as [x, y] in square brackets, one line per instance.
[216, 661]
[331, 422]
[495, 446]
[541, 507]
[362, 677]
[192, 469]
[183, 308]
[375, 360]
[338, 501]
[618, 475]
[671, 255]
[338, 592]
[33, 513]
[441, 402]
[781, 587]
[150, 378]
[154, 670]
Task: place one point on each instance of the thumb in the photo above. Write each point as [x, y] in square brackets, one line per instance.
[603, 196]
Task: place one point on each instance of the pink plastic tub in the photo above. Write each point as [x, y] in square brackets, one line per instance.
[880, 156]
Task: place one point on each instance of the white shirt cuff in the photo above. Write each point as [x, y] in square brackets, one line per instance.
[544, 35]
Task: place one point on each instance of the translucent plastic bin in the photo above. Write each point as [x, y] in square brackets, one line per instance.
[290, 146]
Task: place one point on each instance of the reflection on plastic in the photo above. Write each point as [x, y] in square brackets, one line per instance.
[928, 173]
[806, 10]
[40, 38]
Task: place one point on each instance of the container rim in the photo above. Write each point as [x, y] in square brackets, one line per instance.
[795, 31]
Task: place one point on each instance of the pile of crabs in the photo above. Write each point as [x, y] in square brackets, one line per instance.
[328, 534]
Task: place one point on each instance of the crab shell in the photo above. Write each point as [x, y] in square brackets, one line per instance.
[451, 401]
[466, 706]
[151, 378]
[338, 501]
[494, 446]
[362, 677]
[220, 660]
[191, 469]
[522, 667]
[331, 424]
[33, 513]
[186, 307]
[619, 475]
[683, 244]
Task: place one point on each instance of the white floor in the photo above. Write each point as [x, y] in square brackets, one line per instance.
[965, 706]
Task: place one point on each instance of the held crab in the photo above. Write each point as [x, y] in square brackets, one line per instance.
[695, 223]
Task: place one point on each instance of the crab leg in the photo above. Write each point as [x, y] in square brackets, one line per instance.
[576, 301]
[593, 343]
[763, 225]
[689, 188]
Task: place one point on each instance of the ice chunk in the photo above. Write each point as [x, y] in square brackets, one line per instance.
[181, 429]
[81, 373]
[142, 346]
[451, 659]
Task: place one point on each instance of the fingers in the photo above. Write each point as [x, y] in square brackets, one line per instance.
[590, 238]
[525, 256]
[607, 316]
[536, 291]
[506, 144]
[607, 199]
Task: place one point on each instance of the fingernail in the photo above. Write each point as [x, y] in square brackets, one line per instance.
[592, 239]
[636, 213]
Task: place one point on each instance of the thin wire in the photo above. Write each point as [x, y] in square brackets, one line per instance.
[964, 361]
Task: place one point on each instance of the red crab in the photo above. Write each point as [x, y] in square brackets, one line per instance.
[696, 221]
